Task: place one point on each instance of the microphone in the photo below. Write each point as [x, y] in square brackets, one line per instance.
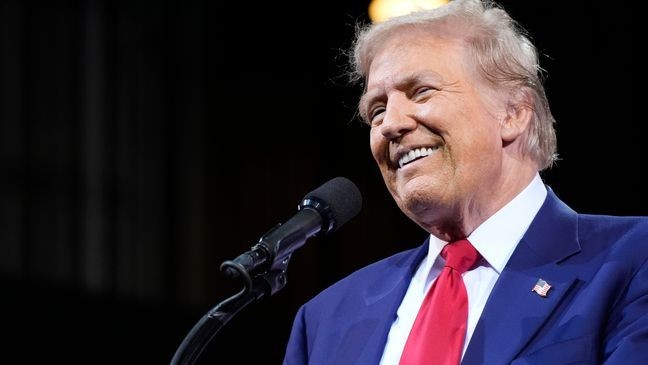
[322, 211]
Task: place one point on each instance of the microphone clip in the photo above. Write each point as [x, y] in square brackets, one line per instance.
[255, 261]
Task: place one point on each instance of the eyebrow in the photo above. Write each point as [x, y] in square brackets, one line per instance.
[404, 83]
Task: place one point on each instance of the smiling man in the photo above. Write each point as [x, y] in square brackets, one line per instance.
[460, 129]
[447, 144]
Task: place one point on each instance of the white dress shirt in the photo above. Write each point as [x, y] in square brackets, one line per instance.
[495, 240]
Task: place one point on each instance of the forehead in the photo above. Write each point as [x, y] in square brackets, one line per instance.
[405, 55]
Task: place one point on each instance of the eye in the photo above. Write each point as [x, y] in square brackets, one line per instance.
[422, 90]
[374, 113]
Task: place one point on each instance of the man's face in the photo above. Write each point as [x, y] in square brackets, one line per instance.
[435, 129]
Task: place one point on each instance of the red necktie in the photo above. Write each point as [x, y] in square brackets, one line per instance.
[439, 330]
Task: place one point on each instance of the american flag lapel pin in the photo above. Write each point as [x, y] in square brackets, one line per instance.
[541, 288]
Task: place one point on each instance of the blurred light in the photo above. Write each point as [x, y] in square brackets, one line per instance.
[380, 10]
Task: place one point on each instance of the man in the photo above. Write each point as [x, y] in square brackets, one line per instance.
[460, 128]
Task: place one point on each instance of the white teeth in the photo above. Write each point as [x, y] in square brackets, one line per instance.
[414, 154]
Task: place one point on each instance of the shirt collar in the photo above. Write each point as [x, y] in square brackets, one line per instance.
[497, 237]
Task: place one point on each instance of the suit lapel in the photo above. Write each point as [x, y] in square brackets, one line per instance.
[513, 313]
[382, 300]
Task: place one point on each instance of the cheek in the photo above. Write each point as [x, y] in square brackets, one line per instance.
[480, 155]
[378, 145]
[480, 134]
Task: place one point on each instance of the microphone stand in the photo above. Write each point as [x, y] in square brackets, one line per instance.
[213, 321]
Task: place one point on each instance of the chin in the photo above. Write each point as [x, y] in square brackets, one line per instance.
[418, 203]
[425, 205]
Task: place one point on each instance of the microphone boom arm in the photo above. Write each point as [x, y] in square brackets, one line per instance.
[213, 321]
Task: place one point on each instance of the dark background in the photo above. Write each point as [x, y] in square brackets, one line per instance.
[142, 143]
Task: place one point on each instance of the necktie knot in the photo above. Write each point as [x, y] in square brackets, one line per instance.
[460, 255]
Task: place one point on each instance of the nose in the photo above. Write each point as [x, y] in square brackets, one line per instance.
[398, 119]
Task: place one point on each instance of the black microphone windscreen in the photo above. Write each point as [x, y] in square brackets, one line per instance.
[343, 198]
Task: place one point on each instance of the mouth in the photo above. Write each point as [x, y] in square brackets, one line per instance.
[415, 154]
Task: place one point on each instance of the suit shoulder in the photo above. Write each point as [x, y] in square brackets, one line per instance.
[627, 236]
[635, 226]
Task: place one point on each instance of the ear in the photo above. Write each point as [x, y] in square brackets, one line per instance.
[519, 113]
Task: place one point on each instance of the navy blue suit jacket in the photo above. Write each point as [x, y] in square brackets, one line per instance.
[596, 311]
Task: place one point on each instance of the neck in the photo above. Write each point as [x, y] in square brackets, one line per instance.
[484, 204]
